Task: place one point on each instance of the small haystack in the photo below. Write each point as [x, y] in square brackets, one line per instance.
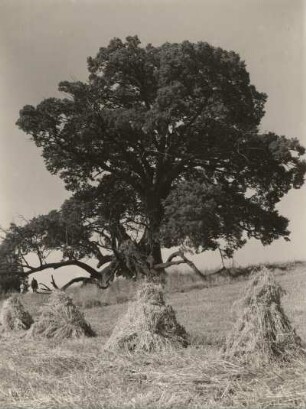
[61, 319]
[149, 324]
[262, 327]
[13, 315]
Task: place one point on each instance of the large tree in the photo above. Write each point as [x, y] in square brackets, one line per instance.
[160, 147]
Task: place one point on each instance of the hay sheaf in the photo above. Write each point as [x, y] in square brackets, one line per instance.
[149, 324]
[262, 327]
[13, 316]
[61, 319]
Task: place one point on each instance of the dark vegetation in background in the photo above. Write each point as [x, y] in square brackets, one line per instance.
[11, 275]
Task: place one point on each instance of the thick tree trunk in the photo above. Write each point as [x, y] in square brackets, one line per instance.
[154, 211]
[137, 259]
[138, 264]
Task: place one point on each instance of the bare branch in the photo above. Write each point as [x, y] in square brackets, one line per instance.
[161, 266]
[54, 283]
[60, 264]
[184, 260]
[24, 260]
[87, 280]
[104, 259]
[178, 253]
[195, 269]
[45, 287]
[75, 280]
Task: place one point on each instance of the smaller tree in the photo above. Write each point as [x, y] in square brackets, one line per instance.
[11, 274]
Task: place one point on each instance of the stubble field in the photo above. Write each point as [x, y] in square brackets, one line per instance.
[80, 374]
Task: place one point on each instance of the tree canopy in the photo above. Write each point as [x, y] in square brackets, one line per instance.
[161, 146]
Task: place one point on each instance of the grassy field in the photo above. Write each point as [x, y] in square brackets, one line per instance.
[79, 374]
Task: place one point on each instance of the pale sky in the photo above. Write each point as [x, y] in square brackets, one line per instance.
[44, 42]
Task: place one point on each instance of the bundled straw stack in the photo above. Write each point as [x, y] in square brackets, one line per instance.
[13, 315]
[149, 324]
[262, 328]
[61, 319]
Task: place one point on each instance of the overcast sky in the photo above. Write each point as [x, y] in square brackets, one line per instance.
[44, 42]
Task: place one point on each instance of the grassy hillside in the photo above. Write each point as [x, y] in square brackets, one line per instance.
[79, 374]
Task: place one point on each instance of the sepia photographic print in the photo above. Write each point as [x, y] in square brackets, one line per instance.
[153, 204]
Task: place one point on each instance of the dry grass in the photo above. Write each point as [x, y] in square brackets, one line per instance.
[262, 327]
[13, 316]
[90, 296]
[148, 325]
[48, 374]
[80, 374]
[60, 319]
[122, 290]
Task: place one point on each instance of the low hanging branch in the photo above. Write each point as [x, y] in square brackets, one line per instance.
[76, 280]
[60, 264]
[184, 260]
[45, 289]
[85, 280]
[102, 279]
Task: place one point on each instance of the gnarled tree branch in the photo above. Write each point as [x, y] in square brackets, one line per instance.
[60, 264]
[184, 260]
